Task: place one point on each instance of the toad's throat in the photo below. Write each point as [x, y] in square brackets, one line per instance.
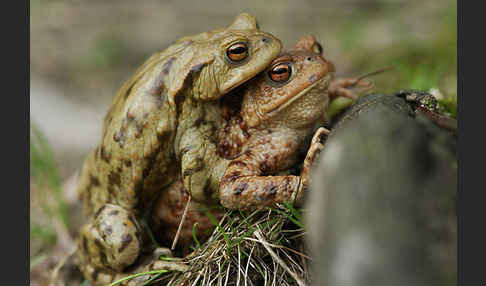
[277, 109]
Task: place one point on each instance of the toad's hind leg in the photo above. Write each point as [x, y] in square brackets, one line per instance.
[107, 245]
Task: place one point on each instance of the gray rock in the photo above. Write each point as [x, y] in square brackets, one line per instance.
[382, 205]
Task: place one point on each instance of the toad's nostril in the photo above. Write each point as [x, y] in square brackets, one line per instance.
[266, 40]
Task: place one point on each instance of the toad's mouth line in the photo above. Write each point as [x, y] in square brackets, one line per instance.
[299, 95]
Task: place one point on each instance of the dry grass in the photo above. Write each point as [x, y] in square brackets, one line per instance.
[258, 248]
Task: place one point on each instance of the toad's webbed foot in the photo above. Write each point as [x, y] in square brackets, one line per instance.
[341, 87]
[110, 243]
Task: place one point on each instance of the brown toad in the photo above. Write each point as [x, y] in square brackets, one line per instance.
[261, 137]
[170, 102]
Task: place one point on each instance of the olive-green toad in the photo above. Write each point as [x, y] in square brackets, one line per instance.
[168, 105]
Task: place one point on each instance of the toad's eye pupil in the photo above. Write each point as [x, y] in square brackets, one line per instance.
[280, 70]
[280, 73]
[237, 52]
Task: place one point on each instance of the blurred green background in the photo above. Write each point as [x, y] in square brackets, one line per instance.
[82, 51]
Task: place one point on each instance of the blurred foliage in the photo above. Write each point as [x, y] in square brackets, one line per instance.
[449, 105]
[108, 50]
[421, 64]
[47, 183]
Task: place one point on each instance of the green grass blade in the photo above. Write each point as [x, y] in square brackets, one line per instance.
[129, 277]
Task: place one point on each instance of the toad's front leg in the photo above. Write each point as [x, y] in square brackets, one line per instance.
[110, 243]
[245, 184]
[315, 149]
[254, 192]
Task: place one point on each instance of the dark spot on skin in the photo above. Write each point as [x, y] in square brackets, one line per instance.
[94, 180]
[127, 163]
[116, 136]
[286, 185]
[111, 191]
[240, 188]
[139, 127]
[126, 239]
[198, 122]
[185, 150]
[114, 179]
[207, 190]
[230, 178]
[120, 138]
[130, 116]
[100, 210]
[104, 155]
[134, 223]
[313, 78]
[157, 89]
[94, 275]
[138, 187]
[257, 197]
[239, 163]
[161, 137]
[129, 90]
[197, 68]
[101, 251]
[85, 244]
[114, 212]
[150, 163]
[187, 43]
[97, 152]
[168, 65]
[190, 171]
[108, 230]
[264, 168]
[179, 100]
[161, 99]
[270, 189]
[266, 40]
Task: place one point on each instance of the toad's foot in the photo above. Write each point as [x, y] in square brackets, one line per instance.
[341, 87]
[108, 244]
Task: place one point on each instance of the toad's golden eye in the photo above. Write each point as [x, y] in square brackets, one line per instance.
[317, 48]
[237, 52]
[280, 72]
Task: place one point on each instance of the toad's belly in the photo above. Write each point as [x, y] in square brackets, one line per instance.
[167, 214]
